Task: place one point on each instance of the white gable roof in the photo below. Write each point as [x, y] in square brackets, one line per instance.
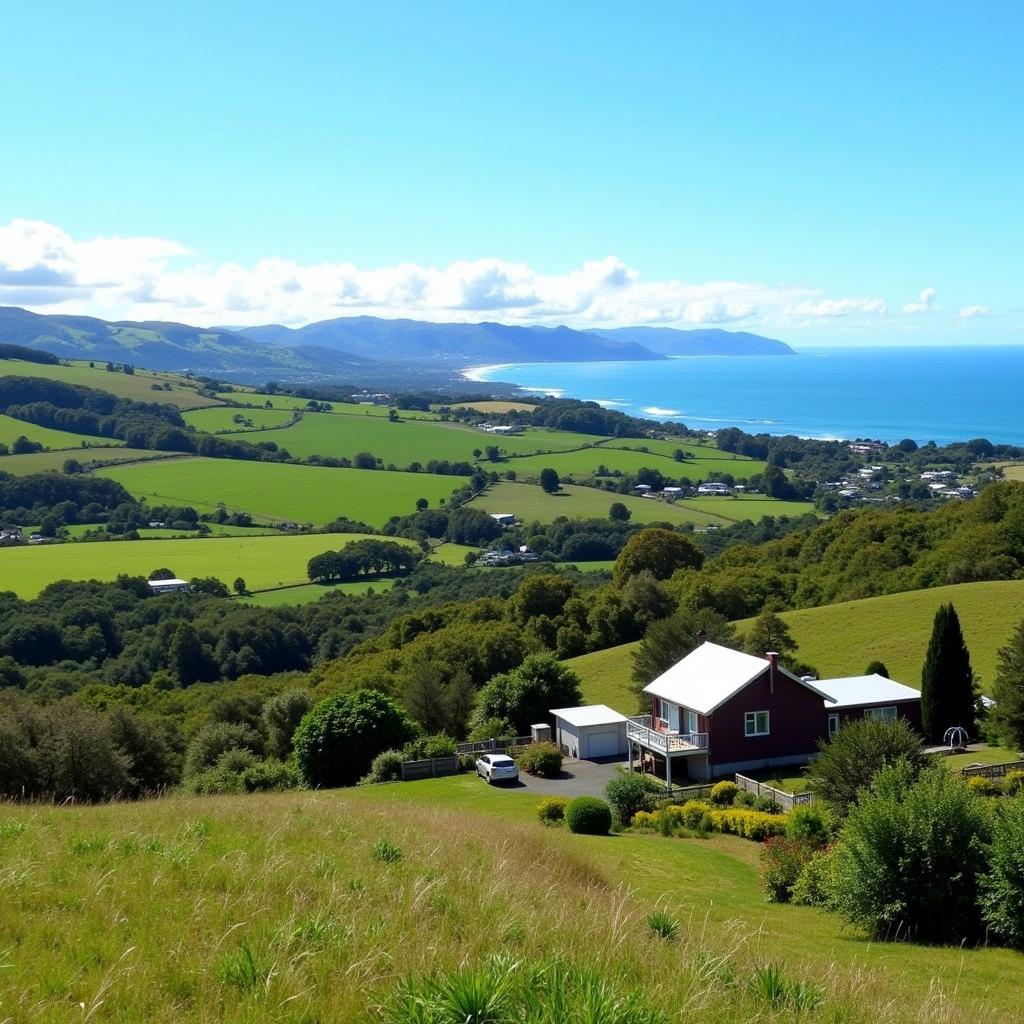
[854, 691]
[589, 714]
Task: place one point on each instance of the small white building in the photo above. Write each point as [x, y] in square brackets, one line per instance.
[590, 731]
[167, 586]
[642, 488]
[504, 518]
[714, 487]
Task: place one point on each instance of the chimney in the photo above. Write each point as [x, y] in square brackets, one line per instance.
[702, 637]
[773, 668]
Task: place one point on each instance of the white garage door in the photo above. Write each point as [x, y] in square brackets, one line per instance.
[603, 744]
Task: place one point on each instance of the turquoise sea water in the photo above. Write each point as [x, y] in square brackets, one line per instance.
[938, 394]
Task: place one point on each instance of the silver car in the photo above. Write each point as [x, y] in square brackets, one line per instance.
[497, 768]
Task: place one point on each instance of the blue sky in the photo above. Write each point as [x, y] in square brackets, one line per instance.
[802, 169]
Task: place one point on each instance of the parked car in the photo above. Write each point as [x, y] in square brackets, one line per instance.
[497, 768]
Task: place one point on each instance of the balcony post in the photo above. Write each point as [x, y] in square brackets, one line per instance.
[668, 769]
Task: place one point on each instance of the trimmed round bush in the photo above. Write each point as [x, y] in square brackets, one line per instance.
[588, 816]
[723, 794]
[543, 759]
[551, 810]
[386, 767]
[337, 741]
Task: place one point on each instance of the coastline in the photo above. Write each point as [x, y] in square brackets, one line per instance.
[477, 374]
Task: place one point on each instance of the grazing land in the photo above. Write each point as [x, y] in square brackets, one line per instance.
[263, 562]
[753, 507]
[250, 398]
[42, 462]
[10, 429]
[293, 596]
[496, 406]
[283, 492]
[222, 419]
[840, 639]
[171, 389]
[404, 442]
[277, 908]
[1013, 472]
[452, 554]
[585, 464]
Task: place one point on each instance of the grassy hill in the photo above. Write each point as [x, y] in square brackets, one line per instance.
[262, 561]
[41, 462]
[279, 491]
[55, 440]
[840, 639]
[141, 386]
[276, 908]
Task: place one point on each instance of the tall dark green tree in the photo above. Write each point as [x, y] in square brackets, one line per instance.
[1008, 691]
[947, 681]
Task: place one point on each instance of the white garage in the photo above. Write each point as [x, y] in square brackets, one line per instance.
[591, 731]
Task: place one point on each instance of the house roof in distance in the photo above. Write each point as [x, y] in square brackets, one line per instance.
[857, 691]
[164, 584]
[710, 674]
[589, 714]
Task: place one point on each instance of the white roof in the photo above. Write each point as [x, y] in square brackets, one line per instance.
[589, 714]
[168, 583]
[853, 691]
[709, 675]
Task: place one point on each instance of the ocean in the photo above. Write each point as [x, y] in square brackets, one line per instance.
[928, 394]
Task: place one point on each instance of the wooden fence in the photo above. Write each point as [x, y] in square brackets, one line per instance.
[498, 746]
[430, 768]
[992, 771]
[787, 801]
[684, 793]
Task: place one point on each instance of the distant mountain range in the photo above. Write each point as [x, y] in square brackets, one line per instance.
[355, 348]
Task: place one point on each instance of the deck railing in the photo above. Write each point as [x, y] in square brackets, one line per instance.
[639, 730]
[787, 801]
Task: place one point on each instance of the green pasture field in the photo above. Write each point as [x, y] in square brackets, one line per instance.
[220, 419]
[401, 443]
[283, 492]
[273, 907]
[55, 440]
[749, 506]
[1013, 472]
[529, 503]
[668, 446]
[249, 398]
[840, 639]
[585, 463]
[263, 562]
[496, 406]
[43, 462]
[293, 596]
[452, 554]
[605, 678]
[167, 533]
[137, 386]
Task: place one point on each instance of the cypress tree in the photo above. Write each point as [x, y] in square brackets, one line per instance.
[947, 682]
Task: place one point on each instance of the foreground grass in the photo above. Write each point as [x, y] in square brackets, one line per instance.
[283, 492]
[318, 907]
[263, 562]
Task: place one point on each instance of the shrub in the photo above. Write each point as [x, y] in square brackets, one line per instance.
[663, 926]
[696, 815]
[848, 763]
[270, 776]
[756, 825]
[723, 794]
[783, 860]
[281, 716]
[467, 762]
[338, 739]
[980, 786]
[629, 792]
[424, 747]
[1002, 885]
[385, 767]
[910, 856]
[645, 819]
[588, 815]
[767, 805]
[814, 886]
[551, 810]
[808, 824]
[386, 852]
[744, 799]
[216, 739]
[543, 759]
[1013, 783]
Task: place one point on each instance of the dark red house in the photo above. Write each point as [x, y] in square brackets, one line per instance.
[720, 711]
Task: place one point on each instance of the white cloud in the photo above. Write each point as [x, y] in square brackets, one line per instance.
[970, 312]
[44, 268]
[925, 303]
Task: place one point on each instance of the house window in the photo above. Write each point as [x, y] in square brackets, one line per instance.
[882, 714]
[691, 721]
[755, 723]
[833, 725]
[661, 711]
